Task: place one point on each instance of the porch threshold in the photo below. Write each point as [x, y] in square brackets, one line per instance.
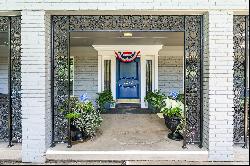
[13, 153]
[127, 155]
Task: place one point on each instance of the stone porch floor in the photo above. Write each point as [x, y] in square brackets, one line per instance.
[127, 137]
[138, 134]
[120, 132]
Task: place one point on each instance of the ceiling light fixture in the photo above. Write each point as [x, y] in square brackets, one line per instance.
[79, 37]
[127, 34]
[129, 38]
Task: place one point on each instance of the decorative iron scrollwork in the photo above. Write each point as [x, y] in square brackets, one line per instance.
[4, 24]
[240, 30]
[127, 23]
[12, 25]
[191, 25]
[61, 91]
[193, 75]
[4, 102]
[15, 48]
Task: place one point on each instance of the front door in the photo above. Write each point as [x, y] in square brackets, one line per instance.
[128, 79]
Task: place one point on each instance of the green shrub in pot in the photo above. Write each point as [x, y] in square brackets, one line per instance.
[173, 113]
[105, 100]
[88, 119]
[155, 99]
[84, 118]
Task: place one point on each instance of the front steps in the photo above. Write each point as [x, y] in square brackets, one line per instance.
[129, 108]
[127, 155]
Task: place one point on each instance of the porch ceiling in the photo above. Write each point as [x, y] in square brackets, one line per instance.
[117, 38]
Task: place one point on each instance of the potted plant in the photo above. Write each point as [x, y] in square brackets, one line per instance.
[173, 113]
[89, 119]
[71, 115]
[155, 100]
[84, 118]
[105, 100]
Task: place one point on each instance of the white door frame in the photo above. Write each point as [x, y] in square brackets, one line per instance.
[148, 52]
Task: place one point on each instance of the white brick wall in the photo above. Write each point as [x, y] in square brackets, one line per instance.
[218, 85]
[205, 83]
[35, 86]
[123, 4]
[48, 112]
[171, 73]
[86, 72]
[218, 58]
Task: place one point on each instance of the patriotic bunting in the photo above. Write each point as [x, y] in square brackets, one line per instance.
[126, 56]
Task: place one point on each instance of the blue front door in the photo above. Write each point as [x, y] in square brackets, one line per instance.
[128, 79]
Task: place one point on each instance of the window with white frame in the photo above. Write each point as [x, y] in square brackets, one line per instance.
[107, 75]
[149, 75]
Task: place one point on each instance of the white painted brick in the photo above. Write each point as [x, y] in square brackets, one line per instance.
[170, 70]
[219, 85]
[117, 4]
[35, 86]
[218, 26]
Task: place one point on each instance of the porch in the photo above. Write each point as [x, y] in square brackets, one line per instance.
[159, 64]
[129, 137]
[55, 127]
[134, 137]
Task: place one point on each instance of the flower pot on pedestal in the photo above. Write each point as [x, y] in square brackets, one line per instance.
[172, 123]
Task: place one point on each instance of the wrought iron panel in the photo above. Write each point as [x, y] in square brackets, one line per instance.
[240, 30]
[127, 23]
[61, 90]
[4, 102]
[193, 77]
[4, 24]
[15, 48]
[191, 25]
[12, 25]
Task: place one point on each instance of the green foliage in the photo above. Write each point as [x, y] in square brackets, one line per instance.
[173, 112]
[175, 108]
[82, 114]
[182, 125]
[103, 98]
[89, 119]
[156, 99]
[72, 115]
[68, 108]
[181, 98]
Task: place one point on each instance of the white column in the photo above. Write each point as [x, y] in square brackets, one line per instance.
[35, 67]
[153, 51]
[143, 80]
[218, 85]
[113, 76]
[99, 73]
[102, 56]
[156, 71]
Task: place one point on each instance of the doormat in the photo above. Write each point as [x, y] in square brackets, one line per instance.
[129, 111]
